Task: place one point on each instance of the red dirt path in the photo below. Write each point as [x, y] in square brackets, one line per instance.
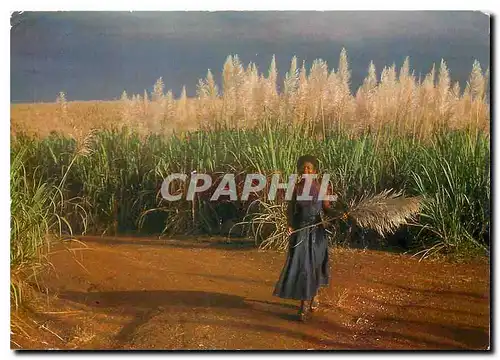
[191, 294]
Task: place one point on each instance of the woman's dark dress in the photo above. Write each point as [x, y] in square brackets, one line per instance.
[306, 268]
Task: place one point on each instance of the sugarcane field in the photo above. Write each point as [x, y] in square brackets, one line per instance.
[289, 196]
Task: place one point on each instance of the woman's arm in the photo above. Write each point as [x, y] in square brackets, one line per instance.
[327, 205]
[291, 210]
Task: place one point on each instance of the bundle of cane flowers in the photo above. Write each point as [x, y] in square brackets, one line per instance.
[384, 212]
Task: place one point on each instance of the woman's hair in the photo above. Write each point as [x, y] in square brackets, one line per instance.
[310, 159]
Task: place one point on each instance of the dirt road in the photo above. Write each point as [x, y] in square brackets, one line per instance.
[186, 294]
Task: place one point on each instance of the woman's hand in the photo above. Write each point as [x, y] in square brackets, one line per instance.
[290, 230]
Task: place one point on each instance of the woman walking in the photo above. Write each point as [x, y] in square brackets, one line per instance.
[307, 265]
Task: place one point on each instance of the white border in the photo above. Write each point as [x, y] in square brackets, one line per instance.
[218, 5]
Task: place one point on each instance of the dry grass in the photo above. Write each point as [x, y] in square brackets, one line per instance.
[42, 118]
[83, 334]
[319, 97]
[342, 297]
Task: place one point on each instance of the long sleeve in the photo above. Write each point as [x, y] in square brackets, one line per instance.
[327, 206]
[291, 210]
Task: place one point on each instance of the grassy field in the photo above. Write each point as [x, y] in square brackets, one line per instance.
[319, 96]
[97, 167]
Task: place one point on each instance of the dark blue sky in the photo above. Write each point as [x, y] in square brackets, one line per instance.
[97, 55]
